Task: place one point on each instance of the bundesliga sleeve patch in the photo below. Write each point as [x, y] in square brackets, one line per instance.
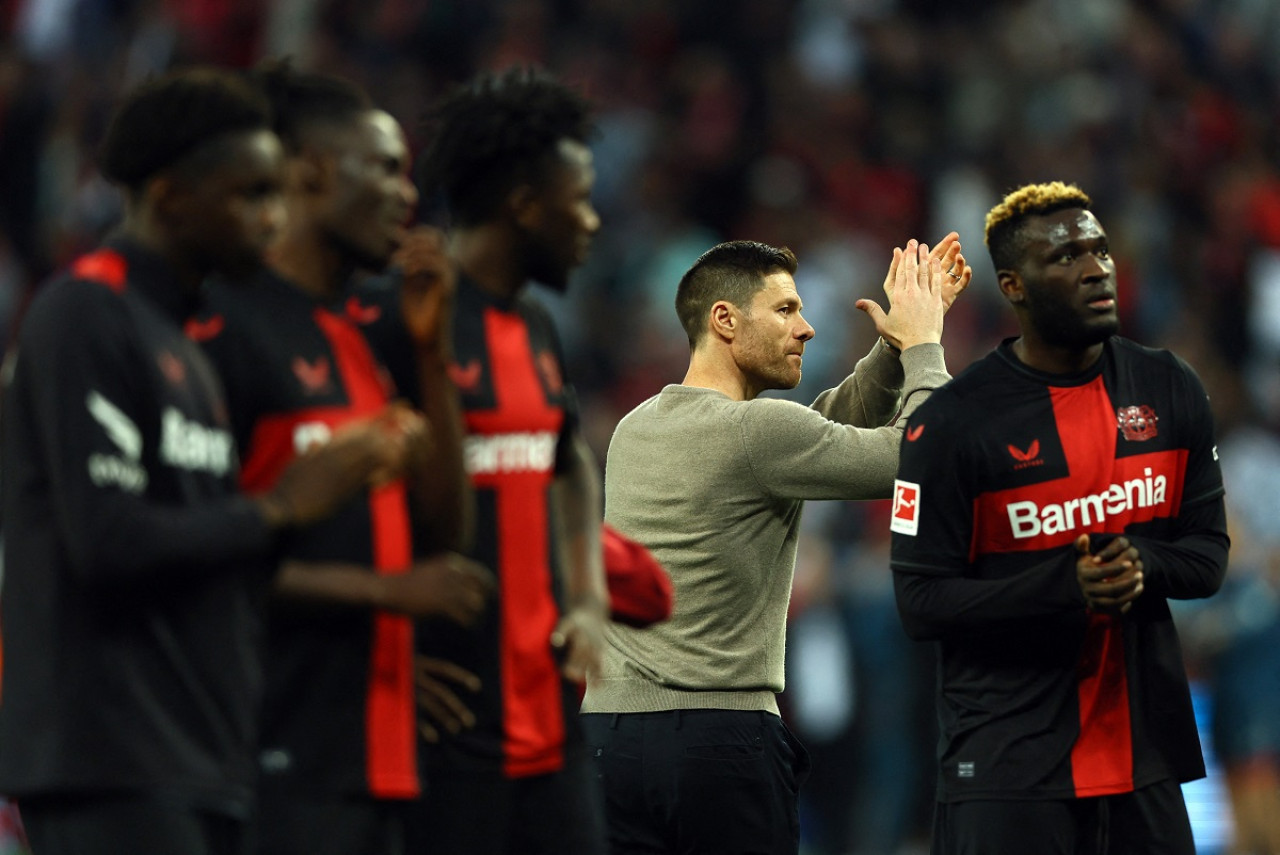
[905, 517]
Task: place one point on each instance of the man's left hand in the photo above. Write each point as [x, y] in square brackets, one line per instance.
[579, 638]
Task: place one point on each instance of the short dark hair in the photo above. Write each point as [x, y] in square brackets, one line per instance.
[1005, 237]
[168, 117]
[732, 271]
[494, 133]
[301, 101]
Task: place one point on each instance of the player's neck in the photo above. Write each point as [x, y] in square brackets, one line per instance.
[490, 260]
[309, 266]
[1053, 359]
[146, 233]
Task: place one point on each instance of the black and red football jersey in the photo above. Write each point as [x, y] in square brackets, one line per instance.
[340, 711]
[520, 416]
[135, 573]
[1001, 470]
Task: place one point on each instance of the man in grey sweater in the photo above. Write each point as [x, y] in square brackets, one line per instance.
[682, 718]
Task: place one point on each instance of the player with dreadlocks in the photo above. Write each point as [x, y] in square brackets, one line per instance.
[508, 157]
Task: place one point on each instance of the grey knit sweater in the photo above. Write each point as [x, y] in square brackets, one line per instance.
[714, 488]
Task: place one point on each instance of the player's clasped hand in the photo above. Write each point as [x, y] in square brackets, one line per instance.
[448, 584]
[1111, 579]
[319, 480]
[397, 436]
[411, 433]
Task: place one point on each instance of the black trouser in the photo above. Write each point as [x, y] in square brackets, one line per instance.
[294, 822]
[1149, 821]
[698, 781]
[470, 811]
[115, 823]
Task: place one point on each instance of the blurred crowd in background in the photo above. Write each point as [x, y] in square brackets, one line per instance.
[840, 128]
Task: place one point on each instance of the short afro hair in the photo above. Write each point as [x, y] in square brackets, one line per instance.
[1004, 234]
[732, 271]
[168, 117]
[494, 133]
[302, 101]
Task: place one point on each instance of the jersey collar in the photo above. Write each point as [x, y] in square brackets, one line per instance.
[1004, 353]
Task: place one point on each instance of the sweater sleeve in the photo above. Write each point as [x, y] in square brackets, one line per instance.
[796, 453]
[868, 397]
[885, 386]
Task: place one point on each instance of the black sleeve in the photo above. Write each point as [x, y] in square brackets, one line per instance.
[1194, 563]
[933, 606]
[932, 515]
[83, 380]
[932, 524]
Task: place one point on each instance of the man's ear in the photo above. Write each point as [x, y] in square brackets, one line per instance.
[524, 206]
[310, 172]
[1011, 285]
[166, 195]
[724, 320]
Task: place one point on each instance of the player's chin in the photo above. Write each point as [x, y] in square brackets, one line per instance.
[1103, 328]
[241, 264]
[372, 257]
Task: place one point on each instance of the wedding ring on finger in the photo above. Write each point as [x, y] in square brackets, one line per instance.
[955, 276]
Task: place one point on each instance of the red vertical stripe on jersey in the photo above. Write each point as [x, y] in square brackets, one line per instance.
[533, 718]
[390, 716]
[1102, 757]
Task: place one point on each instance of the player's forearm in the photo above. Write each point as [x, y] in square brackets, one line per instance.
[1192, 566]
[130, 540]
[445, 497]
[935, 607]
[869, 396]
[327, 583]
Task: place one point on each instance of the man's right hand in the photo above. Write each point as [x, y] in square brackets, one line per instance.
[916, 287]
[448, 585]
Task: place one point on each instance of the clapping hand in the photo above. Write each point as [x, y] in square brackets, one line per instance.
[915, 286]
